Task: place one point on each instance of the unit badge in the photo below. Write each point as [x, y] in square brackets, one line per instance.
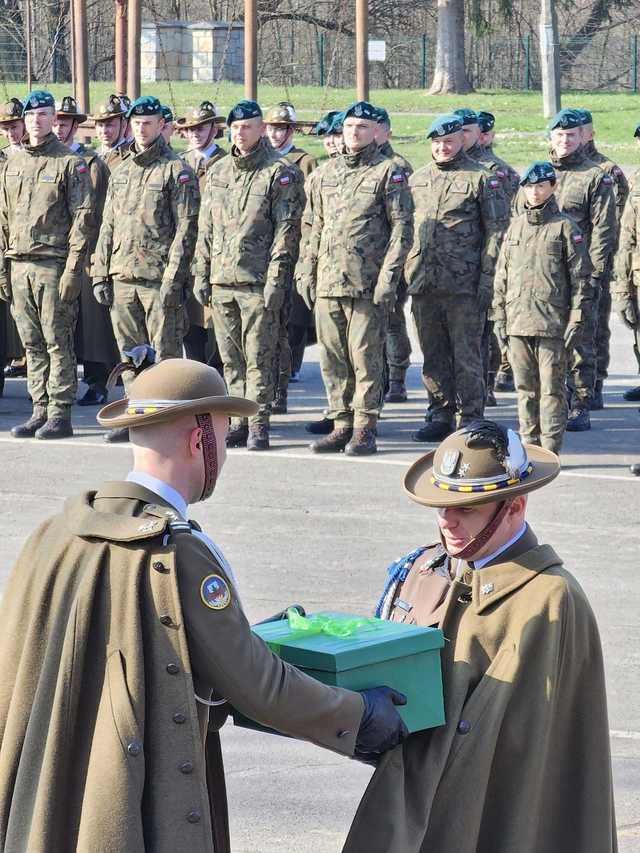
[449, 462]
[215, 592]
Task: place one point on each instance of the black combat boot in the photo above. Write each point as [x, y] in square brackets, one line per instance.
[632, 395]
[335, 442]
[58, 426]
[322, 427]
[397, 392]
[635, 469]
[363, 442]
[579, 420]
[28, 429]
[279, 405]
[504, 382]
[432, 431]
[596, 403]
[116, 435]
[258, 438]
[95, 395]
[237, 436]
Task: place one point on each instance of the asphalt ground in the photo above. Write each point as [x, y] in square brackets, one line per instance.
[321, 531]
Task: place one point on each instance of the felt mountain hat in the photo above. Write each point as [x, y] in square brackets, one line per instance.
[171, 389]
[478, 464]
[206, 113]
[115, 106]
[11, 111]
[283, 114]
[68, 108]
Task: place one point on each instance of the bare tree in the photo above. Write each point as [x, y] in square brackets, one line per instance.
[450, 74]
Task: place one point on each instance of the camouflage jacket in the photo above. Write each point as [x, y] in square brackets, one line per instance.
[249, 226]
[150, 218]
[98, 180]
[620, 183]
[304, 161]
[627, 261]
[585, 193]
[543, 277]
[461, 215]
[114, 157]
[200, 165]
[311, 187]
[45, 205]
[361, 228]
[398, 159]
[509, 178]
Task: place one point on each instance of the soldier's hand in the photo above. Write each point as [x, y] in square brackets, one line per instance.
[627, 311]
[500, 331]
[273, 297]
[384, 294]
[381, 727]
[170, 294]
[70, 285]
[572, 336]
[202, 290]
[103, 292]
[306, 292]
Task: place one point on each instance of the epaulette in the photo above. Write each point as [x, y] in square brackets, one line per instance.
[176, 524]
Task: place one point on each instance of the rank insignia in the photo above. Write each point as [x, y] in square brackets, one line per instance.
[215, 592]
[486, 589]
[449, 462]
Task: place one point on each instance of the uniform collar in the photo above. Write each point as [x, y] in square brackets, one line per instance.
[150, 154]
[362, 157]
[75, 147]
[476, 151]
[481, 563]
[387, 149]
[163, 490]
[455, 162]
[576, 158]
[541, 214]
[206, 153]
[497, 580]
[45, 146]
[286, 150]
[254, 159]
[84, 520]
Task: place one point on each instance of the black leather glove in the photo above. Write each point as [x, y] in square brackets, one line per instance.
[626, 310]
[572, 336]
[381, 727]
[103, 292]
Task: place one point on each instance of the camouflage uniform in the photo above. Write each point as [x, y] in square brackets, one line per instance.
[45, 227]
[542, 283]
[621, 193]
[115, 156]
[359, 237]
[248, 235]
[146, 243]
[461, 214]
[626, 282]
[397, 343]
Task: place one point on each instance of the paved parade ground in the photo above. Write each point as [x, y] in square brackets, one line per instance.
[321, 531]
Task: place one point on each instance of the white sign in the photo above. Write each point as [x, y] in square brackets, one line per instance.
[377, 51]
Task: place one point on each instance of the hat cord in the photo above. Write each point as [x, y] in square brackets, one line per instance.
[480, 540]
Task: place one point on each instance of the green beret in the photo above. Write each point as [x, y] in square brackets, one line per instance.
[244, 110]
[486, 121]
[167, 115]
[362, 109]
[146, 105]
[585, 116]
[324, 125]
[337, 125]
[565, 120]
[38, 98]
[468, 116]
[383, 116]
[541, 170]
[444, 125]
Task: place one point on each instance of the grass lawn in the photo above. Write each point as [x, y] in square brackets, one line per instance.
[519, 122]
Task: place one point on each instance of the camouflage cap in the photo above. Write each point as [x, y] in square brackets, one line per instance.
[480, 463]
[284, 114]
[565, 120]
[486, 121]
[68, 108]
[323, 126]
[204, 114]
[540, 170]
[585, 116]
[244, 110]
[444, 125]
[361, 109]
[38, 98]
[11, 111]
[166, 112]
[468, 116]
[115, 106]
[145, 105]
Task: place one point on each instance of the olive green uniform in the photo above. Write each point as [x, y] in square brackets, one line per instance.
[542, 282]
[461, 215]
[248, 235]
[626, 282]
[146, 243]
[359, 238]
[46, 226]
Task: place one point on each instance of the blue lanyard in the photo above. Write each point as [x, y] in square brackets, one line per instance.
[397, 573]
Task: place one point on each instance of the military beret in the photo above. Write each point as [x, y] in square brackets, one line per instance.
[323, 126]
[68, 108]
[146, 105]
[486, 121]
[383, 116]
[539, 171]
[585, 116]
[38, 98]
[284, 114]
[468, 116]
[444, 125]
[361, 109]
[11, 111]
[244, 110]
[167, 115]
[115, 106]
[337, 125]
[636, 132]
[565, 120]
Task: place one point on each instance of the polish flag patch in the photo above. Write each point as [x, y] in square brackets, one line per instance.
[81, 168]
[493, 183]
[184, 178]
[285, 180]
[397, 178]
[578, 238]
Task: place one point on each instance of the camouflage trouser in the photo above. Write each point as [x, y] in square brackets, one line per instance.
[46, 326]
[635, 296]
[138, 317]
[491, 354]
[397, 343]
[539, 369]
[582, 373]
[450, 329]
[603, 332]
[351, 338]
[282, 361]
[247, 335]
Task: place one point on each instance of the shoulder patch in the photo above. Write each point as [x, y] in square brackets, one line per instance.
[397, 178]
[184, 178]
[81, 167]
[617, 171]
[607, 180]
[500, 173]
[284, 180]
[214, 592]
[493, 183]
[578, 238]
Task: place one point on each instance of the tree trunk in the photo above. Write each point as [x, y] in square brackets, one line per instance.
[450, 75]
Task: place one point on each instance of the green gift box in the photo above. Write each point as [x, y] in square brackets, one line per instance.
[354, 652]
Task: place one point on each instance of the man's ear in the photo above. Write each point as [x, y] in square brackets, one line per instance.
[195, 441]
